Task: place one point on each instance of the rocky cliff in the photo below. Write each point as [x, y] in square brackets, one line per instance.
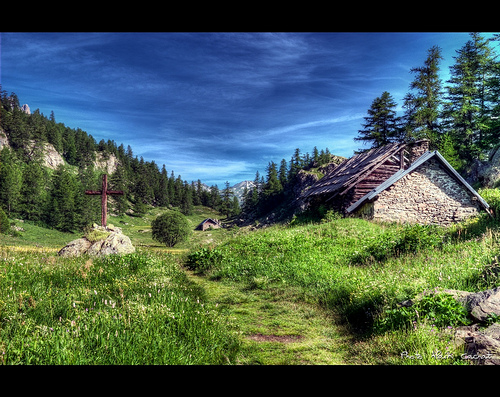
[486, 173]
[50, 157]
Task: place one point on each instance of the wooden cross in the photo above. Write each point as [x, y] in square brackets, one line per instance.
[104, 197]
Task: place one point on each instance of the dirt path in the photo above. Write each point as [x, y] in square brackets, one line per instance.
[277, 327]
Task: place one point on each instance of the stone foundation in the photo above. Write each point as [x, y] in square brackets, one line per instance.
[428, 195]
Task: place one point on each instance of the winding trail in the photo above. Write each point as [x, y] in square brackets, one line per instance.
[277, 326]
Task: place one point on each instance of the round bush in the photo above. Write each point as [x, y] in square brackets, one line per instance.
[170, 228]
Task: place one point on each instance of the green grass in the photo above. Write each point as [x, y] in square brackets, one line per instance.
[310, 293]
[135, 309]
[323, 262]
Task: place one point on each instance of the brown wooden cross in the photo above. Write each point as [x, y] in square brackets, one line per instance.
[104, 197]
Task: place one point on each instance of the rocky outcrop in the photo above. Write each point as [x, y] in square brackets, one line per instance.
[486, 173]
[4, 141]
[99, 241]
[303, 181]
[26, 109]
[50, 156]
[481, 340]
[107, 163]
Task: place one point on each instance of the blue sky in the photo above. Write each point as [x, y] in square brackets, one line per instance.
[217, 106]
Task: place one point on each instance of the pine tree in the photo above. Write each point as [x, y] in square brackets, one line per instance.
[468, 109]
[273, 185]
[10, 181]
[235, 207]
[163, 199]
[33, 191]
[423, 107]
[186, 204]
[62, 202]
[381, 125]
[117, 181]
[87, 208]
[227, 200]
[283, 173]
[214, 198]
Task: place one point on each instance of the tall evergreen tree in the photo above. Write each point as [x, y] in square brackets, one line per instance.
[381, 125]
[88, 209]
[227, 200]
[117, 181]
[423, 107]
[33, 190]
[62, 213]
[10, 181]
[273, 185]
[467, 109]
[283, 173]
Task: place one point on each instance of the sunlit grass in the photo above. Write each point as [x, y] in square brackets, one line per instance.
[134, 309]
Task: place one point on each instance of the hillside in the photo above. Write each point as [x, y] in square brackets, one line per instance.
[46, 166]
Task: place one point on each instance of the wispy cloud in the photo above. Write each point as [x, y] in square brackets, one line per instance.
[214, 105]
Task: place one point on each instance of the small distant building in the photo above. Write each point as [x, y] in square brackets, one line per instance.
[399, 182]
[209, 223]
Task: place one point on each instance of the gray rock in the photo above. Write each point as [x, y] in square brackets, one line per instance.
[482, 304]
[481, 346]
[75, 247]
[113, 241]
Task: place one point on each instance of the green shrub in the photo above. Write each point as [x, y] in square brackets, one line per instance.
[492, 197]
[440, 310]
[204, 259]
[170, 228]
[393, 243]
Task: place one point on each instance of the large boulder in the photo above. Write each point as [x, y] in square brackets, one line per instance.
[482, 305]
[99, 241]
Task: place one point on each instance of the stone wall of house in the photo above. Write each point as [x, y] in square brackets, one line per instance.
[428, 195]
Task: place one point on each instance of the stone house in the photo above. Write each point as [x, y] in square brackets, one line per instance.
[209, 223]
[399, 182]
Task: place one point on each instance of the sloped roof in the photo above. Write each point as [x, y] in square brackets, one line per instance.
[401, 173]
[214, 221]
[351, 171]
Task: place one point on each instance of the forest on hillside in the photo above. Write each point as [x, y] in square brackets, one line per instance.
[56, 198]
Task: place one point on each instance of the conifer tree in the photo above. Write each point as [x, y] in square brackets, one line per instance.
[227, 200]
[87, 207]
[10, 180]
[33, 190]
[273, 185]
[423, 106]
[186, 201]
[381, 125]
[117, 181]
[468, 109]
[283, 173]
[61, 212]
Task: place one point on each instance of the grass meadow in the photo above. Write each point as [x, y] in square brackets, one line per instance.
[362, 271]
[322, 292]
